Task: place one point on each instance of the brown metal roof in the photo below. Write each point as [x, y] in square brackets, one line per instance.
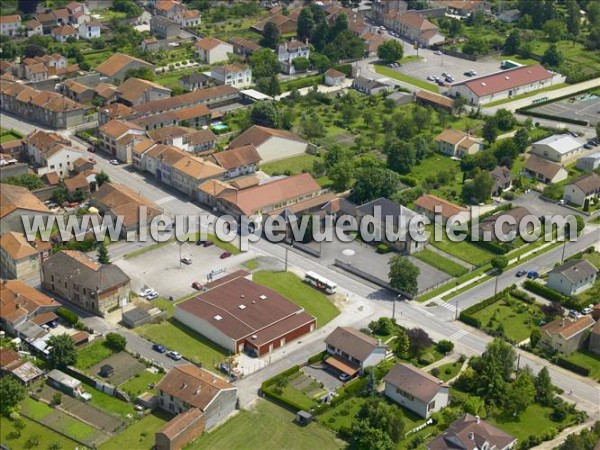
[343, 365]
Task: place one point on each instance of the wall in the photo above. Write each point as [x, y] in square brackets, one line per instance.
[289, 337]
[194, 429]
[220, 408]
[204, 328]
[14, 170]
[415, 405]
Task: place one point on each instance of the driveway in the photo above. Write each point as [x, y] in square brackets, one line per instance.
[319, 373]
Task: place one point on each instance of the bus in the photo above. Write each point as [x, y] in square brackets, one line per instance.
[320, 282]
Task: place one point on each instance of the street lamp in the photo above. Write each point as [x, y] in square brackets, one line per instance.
[397, 297]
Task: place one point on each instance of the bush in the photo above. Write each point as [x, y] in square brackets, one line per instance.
[318, 357]
[116, 342]
[435, 371]
[383, 249]
[445, 346]
[584, 371]
[544, 291]
[67, 315]
[508, 195]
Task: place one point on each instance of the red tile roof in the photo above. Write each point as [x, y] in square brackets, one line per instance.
[507, 79]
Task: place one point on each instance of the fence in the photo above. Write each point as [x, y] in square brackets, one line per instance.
[367, 276]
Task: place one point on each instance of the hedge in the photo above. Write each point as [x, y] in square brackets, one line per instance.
[466, 315]
[67, 315]
[523, 296]
[544, 291]
[281, 400]
[346, 69]
[352, 388]
[584, 371]
[318, 357]
[286, 373]
[552, 117]
[300, 83]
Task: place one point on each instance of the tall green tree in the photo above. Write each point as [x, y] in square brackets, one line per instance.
[521, 139]
[306, 24]
[552, 57]
[390, 51]
[271, 35]
[544, 389]
[374, 182]
[520, 395]
[264, 63]
[555, 30]
[62, 351]
[102, 254]
[404, 275]
[102, 178]
[573, 18]
[479, 189]
[490, 129]
[512, 42]
[116, 342]
[402, 343]
[11, 394]
[383, 416]
[401, 156]
[341, 175]
[265, 114]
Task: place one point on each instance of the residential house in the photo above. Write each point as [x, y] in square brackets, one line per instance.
[544, 170]
[117, 65]
[108, 93]
[243, 47]
[586, 188]
[189, 172]
[352, 351]
[11, 364]
[117, 200]
[195, 81]
[471, 433]
[334, 78]
[113, 111]
[595, 339]
[432, 206]
[45, 107]
[201, 399]
[463, 8]
[240, 315]
[10, 25]
[416, 390]
[557, 148]
[164, 28]
[152, 44]
[211, 50]
[504, 84]
[20, 258]
[272, 144]
[589, 163]
[502, 180]
[427, 98]
[92, 286]
[50, 152]
[64, 33]
[457, 143]
[510, 220]
[168, 8]
[189, 18]
[136, 91]
[289, 51]
[78, 13]
[77, 92]
[18, 203]
[565, 335]
[117, 138]
[572, 277]
[19, 303]
[81, 181]
[416, 28]
[188, 139]
[369, 86]
[90, 30]
[81, 165]
[380, 8]
[238, 161]
[372, 42]
[236, 75]
[33, 28]
[285, 24]
[391, 223]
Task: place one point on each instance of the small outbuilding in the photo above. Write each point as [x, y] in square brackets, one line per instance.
[106, 370]
[303, 418]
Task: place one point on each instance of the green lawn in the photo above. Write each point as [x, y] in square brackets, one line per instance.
[170, 78]
[448, 371]
[92, 354]
[293, 165]
[294, 289]
[430, 167]
[34, 409]
[517, 321]
[441, 263]
[464, 250]
[108, 403]
[139, 384]
[386, 71]
[140, 435]
[267, 425]
[533, 421]
[586, 359]
[9, 435]
[594, 258]
[8, 137]
[176, 336]
[251, 264]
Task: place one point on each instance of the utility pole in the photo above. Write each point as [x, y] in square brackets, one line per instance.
[456, 310]
[180, 244]
[394, 309]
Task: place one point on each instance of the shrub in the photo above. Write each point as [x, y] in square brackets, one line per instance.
[67, 315]
[383, 249]
[445, 346]
[116, 342]
[584, 371]
[508, 195]
[57, 398]
[435, 371]
[544, 291]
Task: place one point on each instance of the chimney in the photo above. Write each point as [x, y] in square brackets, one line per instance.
[478, 419]
[472, 436]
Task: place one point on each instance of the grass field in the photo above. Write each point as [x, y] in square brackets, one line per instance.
[267, 423]
[463, 250]
[517, 321]
[594, 258]
[139, 384]
[295, 164]
[8, 137]
[92, 354]
[294, 289]
[589, 360]
[108, 403]
[34, 409]
[193, 346]
[448, 371]
[10, 437]
[441, 263]
[406, 78]
[532, 422]
[140, 435]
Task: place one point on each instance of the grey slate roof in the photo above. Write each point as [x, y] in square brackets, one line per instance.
[353, 342]
[576, 270]
[414, 381]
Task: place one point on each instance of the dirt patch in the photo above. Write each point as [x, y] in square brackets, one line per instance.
[124, 365]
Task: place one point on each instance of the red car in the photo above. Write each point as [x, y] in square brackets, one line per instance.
[208, 243]
[197, 285]
[225, 255]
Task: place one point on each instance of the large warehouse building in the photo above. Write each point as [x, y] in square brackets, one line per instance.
[239, 315]
[504, 84]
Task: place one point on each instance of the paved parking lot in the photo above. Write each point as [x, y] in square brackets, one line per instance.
[585, 107]
[160, 268]
[540, 207]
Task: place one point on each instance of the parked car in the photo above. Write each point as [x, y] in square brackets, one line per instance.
[208, 243]
[593, 142]
[225, 255]
[114, 162]
[174, 355]
[587, 146]
[520, 273]
[146, 292]
[53, 324]
[437, 52]
[572, 133]
[449, 80]
[574, 314]
[441, 82]
[152, 296]
[345, 377]
[588, 309]
[197, 285]
[91, 149]
[532, 275]
[444, 75]
[159, 348]
[186, 260]
[430, 78]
